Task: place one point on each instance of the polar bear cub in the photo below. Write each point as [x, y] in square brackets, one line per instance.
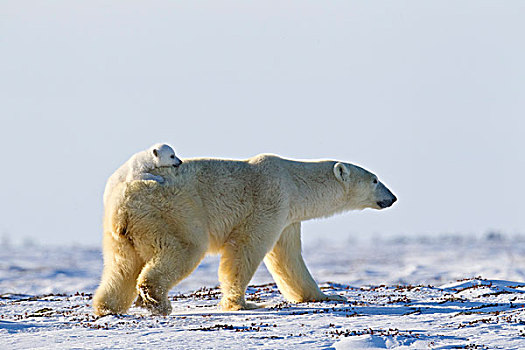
[139, 165]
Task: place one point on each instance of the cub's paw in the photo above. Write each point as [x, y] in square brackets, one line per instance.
[156, 178]
[151, 177]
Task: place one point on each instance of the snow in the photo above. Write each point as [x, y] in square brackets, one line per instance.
[442, 292]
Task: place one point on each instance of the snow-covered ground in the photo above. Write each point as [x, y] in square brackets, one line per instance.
[402, 293]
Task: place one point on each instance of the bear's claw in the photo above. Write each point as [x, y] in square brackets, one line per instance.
[156, 307]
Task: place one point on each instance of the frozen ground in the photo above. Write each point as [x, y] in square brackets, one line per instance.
[402, 293]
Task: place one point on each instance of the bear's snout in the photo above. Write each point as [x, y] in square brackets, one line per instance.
[387, 202]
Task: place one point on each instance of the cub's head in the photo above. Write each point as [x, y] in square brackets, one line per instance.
[362, 188]
[164, 156]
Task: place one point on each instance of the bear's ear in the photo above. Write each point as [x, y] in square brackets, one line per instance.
[342, 172]
[155, 153]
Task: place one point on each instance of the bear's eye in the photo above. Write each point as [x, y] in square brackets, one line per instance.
[375, 181]
[172, 156]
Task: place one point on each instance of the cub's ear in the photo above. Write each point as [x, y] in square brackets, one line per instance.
[155, 153]
[342, 172]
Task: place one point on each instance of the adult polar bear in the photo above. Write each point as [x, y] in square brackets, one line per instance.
[156, 234]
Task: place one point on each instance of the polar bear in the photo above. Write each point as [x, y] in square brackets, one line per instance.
[139, 165]
[246, 210]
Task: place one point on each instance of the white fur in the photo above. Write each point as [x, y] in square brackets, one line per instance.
[140, 164]
[154, 236]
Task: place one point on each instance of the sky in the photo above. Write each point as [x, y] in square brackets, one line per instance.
[428, 95]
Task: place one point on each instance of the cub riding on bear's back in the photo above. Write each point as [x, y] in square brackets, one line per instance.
[140, 164]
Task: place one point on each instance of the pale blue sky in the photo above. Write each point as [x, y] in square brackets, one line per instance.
[429, 95]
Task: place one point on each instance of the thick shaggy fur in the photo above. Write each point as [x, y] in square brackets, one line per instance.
[156, 234]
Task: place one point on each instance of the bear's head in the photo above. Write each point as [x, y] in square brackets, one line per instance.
[164, 156]
[362, 188]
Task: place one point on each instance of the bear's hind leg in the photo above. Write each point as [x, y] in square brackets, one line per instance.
[172, 262]
[289, 271]
[122, 266]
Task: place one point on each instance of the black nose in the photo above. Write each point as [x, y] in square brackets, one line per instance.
[386, 203]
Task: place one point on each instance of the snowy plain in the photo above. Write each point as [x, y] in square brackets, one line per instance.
[432, 292]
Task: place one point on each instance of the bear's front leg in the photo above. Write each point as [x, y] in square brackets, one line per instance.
[289, 271]
[240, 257]
[236, 269]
